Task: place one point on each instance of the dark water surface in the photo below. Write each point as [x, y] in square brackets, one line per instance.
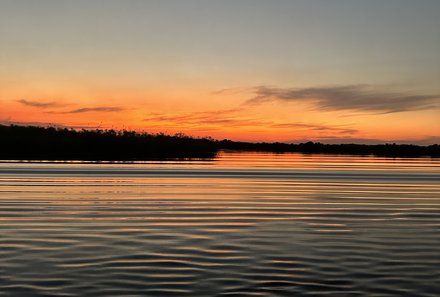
[240, 225]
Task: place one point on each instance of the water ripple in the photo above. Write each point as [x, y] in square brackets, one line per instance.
[252, 225]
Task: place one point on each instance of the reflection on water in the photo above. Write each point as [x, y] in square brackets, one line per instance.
[240, 225]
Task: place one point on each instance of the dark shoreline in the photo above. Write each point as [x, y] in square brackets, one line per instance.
[30, 143]
[379, 150]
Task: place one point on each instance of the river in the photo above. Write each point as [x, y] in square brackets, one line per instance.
[242, 224]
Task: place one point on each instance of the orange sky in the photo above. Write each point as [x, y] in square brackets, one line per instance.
[224, 114]
[260, 72]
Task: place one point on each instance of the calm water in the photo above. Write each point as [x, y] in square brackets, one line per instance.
[240, 225]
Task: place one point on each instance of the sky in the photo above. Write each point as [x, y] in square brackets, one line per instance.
[282, 70]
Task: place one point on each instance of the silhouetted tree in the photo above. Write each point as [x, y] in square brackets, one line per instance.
[39, 143]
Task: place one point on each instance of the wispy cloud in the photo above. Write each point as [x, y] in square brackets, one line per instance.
[317, 127]
[347, 139]
[236, 118]
[349, 97]
[51, 104]
[8, 122]
[93, 109]
[230, 117]
[39, 104]
[232, 91]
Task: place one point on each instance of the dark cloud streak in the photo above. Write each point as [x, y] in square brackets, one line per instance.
[338, 140]
[350, 97]
[93, 109]
[38, 104]
[234, 118]
[316, 127]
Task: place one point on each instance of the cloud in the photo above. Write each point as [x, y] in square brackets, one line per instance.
[317, 127]
[93, 109]
[8, 122]
[235, 118]
[338, 140]
[50, 104]
[349, 97]
[38, 103]
[229, 117]
[232, 91]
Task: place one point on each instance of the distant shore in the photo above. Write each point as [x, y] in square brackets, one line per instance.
[49, 143]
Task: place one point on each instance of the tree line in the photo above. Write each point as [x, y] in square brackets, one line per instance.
[51, 143]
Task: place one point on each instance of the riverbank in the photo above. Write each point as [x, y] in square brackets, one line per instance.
[49, 143]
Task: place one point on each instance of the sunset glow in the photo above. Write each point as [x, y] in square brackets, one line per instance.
[244, 70]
